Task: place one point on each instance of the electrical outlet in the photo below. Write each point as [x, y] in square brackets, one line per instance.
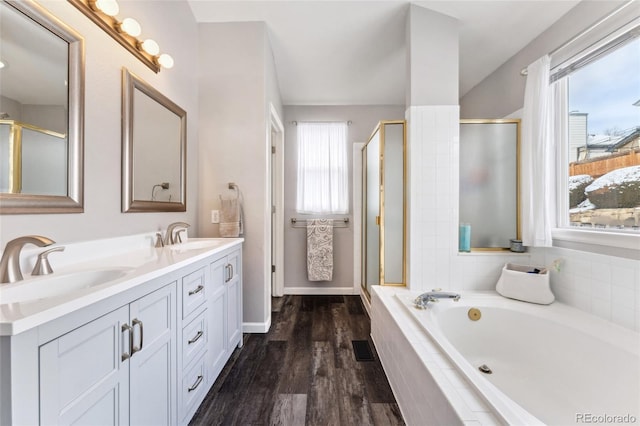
[215, 216]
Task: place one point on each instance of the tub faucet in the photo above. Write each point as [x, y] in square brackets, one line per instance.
[421, 301]
[169, 237]
[10, 263]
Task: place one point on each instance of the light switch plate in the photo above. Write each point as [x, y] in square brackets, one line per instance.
[215, 216]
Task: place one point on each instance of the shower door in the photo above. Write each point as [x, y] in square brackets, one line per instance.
[383, 218]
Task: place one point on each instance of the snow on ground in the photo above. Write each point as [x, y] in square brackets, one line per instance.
[615, 178]
[583, 207]
[577, 180]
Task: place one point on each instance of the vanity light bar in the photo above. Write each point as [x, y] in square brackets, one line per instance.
[103, 12]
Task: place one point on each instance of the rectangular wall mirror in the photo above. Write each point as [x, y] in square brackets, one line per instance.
[489, 181]
[41, 112]
[154, 149]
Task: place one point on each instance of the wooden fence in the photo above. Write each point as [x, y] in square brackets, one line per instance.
[597, 167]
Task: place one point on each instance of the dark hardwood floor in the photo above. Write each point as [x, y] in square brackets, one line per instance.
[303, 371]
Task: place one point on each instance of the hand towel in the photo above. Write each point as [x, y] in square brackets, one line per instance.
[229, 217]
[320, 249]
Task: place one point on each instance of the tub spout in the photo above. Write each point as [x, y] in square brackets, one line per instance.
[421, 301]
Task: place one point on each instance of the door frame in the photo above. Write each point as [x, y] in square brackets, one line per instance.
[358, 255]
[276, 198]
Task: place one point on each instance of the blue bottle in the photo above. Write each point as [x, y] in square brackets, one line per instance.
[464, 237]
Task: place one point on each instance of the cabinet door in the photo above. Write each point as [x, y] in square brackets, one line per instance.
[234, 300]
[153, 386]
[83, 377]
[217, 319]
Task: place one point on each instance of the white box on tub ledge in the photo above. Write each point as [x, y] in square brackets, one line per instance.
[526, 283]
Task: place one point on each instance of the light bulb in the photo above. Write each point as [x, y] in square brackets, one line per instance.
[131, 27]
[2, 63]
[151, 47]
[108, 7]
[166, 61]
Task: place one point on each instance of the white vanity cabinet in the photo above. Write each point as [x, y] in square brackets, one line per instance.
[146, 354]
[117, 369]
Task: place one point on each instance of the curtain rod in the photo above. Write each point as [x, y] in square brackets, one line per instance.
[584, 32]
[295, 123]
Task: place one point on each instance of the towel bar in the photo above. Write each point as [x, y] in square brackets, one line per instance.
[337, 223]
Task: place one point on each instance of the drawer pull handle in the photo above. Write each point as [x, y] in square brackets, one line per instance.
[135, 322]
[127, 355]
[197, 290]
[196, 384]
[230, 273]
[196, 337]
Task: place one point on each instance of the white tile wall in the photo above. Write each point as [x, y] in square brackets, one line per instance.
[606, 286]
[433, 141]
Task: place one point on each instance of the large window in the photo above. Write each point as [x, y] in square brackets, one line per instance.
[604, 140]
[322, 169]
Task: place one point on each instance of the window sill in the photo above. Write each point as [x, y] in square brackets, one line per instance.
[476, 252]
[609, 243]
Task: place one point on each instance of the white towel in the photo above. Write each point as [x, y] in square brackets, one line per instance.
[320, 249]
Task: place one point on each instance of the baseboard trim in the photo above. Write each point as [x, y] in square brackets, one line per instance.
[366, 303]
[329, 291]
[256, 327]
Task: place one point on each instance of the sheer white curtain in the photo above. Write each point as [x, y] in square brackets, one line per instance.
[322, 168]
[544, 135]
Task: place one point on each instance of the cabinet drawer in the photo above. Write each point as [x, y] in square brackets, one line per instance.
[194, 339]
[194, 388]
[193, 291]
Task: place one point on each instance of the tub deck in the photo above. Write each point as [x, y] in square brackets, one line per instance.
[534, 381]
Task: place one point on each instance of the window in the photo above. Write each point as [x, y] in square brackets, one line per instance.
[322, 169]
[604, 139]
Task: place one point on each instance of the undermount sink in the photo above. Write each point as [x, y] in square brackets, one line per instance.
[198, 244]
[56, 285]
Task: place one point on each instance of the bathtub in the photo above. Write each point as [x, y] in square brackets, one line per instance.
[550, 364]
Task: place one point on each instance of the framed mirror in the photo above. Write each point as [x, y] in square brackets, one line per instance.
[154, 149]
[41, 112]
[489, 181]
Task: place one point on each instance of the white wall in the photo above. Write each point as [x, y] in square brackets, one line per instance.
[237, 84]
[104, 59]
[432, 43]
[363, 121]
[502, 92]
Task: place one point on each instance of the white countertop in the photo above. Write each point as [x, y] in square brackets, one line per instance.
[140, 261]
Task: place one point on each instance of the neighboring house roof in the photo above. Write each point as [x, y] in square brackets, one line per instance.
[611, 143]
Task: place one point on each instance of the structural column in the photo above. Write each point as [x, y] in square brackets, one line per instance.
[433, 146]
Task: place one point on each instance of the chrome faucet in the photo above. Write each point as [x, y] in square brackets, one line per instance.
[169, 237]
[421, 301]
[10, 271]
